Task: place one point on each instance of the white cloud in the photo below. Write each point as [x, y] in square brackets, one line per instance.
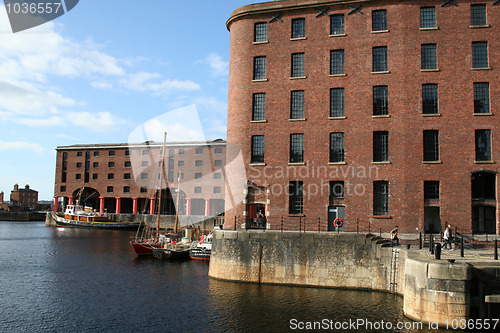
[15, 145]
[38, 122]
[144, 81]
[96, 122]
[219, 67]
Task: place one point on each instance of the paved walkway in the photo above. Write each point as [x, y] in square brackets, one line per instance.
[469, 255]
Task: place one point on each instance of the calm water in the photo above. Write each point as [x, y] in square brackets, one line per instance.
[77, 280]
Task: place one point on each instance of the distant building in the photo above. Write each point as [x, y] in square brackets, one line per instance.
[23, 199]
[123, 178]
[3, 205]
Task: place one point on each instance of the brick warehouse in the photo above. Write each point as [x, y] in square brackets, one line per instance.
[123, 178]
[378, 112]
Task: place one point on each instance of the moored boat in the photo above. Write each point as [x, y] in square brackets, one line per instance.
[203, 249]
[85, 217]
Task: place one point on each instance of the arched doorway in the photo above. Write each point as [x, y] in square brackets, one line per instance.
[87, 196]
[484, 202]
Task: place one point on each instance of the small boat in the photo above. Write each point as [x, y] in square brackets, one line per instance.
[85, 217]
[173, 250]
[202, 250]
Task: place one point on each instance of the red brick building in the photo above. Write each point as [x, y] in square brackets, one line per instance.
[23, 199]
[124, 178]
[380, 112]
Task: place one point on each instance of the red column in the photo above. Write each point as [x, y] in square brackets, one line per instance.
[134, 205]
[151, 206]
[118, 205]
[207, 207]
[188, 206]
[56, 204]
[101, 205]
[70, 200]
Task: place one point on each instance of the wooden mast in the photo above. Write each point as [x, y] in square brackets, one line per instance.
[178, 189]
[161, 184]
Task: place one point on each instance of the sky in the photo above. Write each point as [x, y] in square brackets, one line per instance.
[96, 73]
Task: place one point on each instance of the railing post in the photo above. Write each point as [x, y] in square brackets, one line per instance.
[282, 224]
[496, 249]
[431, 244]
[462, 247]
[319, 224]
[357, 225]
[300, 224]
[380, 233]
[420, 244]
[438, 251]
[235, 222]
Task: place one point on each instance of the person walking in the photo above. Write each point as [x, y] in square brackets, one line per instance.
[447, 238]
[394, 236]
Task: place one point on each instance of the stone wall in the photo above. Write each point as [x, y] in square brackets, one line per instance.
[433, 291]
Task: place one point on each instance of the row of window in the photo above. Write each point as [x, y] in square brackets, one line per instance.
[380, 147]
[478, 18]
[430, 101]
[144, 152]
[429, 60]
[126, 189]
[128, 164]
[127, 176]
[380, 195]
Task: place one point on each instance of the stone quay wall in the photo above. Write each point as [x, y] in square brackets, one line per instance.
[433, 290]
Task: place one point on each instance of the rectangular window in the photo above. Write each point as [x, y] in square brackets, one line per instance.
[145, 152]
[78, 164]
[297, 105]
[181, 152]
[95, 176]
[111, 176]
[336, 190]
[96, 154]
[337, 146]
[63, 188]
[337, 24]
[480, 55]
[379, 20]
[126, 189]
[144, 175]
[296, 148]
[143, 189]
[258, 107]
[219, 150]
[144, 164]
[198, 163]
[380, 59]
[95, 164]
[78, 176]
[431, 145]
[381, 198]
[63, 177]
[126, 176]
[427, 17]
[198, 176]
[260, 32]
[109, 189]
[483, 145]
[429, 56]
[298, 28]
[257, 149]
[296, 204]
[380, 146]
[337, 102]
[79, 154]
[180, 163]
[199, 151]
[431, 190]
[259, 68]
[380, 100]
[111, 164]
[481, 97]
[478, 15]
[217, 176]
[111, 153]
[197, 189]
[337, 62]
[127, 152]
[218, 163]
[430, 98]
[217, 190]
[127, 164]
[298, 65]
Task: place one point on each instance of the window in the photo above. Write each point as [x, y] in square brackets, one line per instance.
[126, 189]
[63, 188]
[295, 198]
[78, 176]
[180, 163]
[478, 15]
[218, 163]
[95, 164]
[259, 68]
[217, 190]
[480, 55]
[197, 189]
[296, 148]
[109, 189]
[337, 102]
[380, 146]
[336, 190]
[145, 152]
[199, 151]
[219, 150]
[260, 32]
[127, 164]
[80, 154]
[126, 176]
[427, 17]
[379, 20]
[78, 164]
[297, 105]
[337, 62]
[298, 28]
[217, 176]
[95, 176]
[298, 65]
[144, 175]
[429, 56]
[337, 24]
[111, 164]
[431, 145]
[380, 59]
[111, 176]
[111, 153]
[431, 190]
[337, 147]
[197, 176]
[144, 164]
[381, 198]
[380, 100]
[181, 151]
[63, 177]
[64, 156]
[258, 109]
[483, 145]
[127, 152]
[430, 98]
[143, 189]
[481, 97]
[198, 163]
[257, 149]
[96, 154]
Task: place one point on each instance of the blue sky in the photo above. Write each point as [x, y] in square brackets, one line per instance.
[97, 72]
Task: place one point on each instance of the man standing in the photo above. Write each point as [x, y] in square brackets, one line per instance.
[447, 237]
[394, 236]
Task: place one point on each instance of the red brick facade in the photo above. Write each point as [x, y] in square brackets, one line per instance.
[461, 199]
[122, 178]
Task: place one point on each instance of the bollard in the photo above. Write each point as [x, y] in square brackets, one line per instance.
[438, 251]
[462, 247]
[282, 224]
[431, 244]
[420, 244]
[380, 232]
[319, 224]
[235, 223]
[408, 246]
[496, 249]
[357, 225]
[300, 224]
